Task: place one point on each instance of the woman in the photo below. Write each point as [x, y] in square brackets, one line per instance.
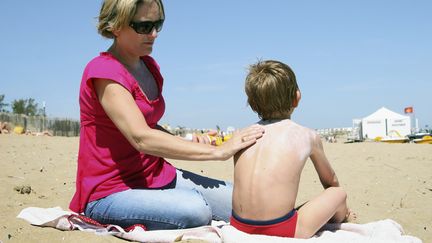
[122, 175]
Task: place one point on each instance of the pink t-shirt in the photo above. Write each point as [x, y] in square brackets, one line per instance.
[107, 162]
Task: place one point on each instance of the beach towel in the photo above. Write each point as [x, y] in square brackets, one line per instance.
[219, 232]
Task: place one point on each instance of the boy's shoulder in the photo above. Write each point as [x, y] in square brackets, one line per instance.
[289, 126]
[300, 127]
[307, 133]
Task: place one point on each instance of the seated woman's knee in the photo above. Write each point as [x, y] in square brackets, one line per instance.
[196, 211]
[196, 214]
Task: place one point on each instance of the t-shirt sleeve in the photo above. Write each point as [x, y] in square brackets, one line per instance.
[106, 68]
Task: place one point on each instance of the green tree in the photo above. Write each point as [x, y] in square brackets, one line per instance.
[32, 107]
[25, 106]
[2, 104]
[18, 106]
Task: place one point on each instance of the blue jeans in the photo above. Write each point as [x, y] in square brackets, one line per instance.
[189, 201]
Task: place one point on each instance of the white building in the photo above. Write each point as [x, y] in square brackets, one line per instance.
[384, 123]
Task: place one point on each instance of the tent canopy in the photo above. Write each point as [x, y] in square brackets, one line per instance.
[384, 122]
[384, 113]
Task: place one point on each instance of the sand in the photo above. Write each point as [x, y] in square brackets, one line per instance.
[382, 180]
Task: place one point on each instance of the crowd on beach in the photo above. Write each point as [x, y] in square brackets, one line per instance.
[6, 128]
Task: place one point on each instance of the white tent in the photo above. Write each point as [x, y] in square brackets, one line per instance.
[384, 122]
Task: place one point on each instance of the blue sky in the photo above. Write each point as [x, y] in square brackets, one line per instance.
[350, 57]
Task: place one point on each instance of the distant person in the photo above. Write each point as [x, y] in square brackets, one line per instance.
[267, 174]
[123, 177]
[43, 133]
[5, 128]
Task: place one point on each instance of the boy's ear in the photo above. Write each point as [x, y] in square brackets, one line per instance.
[297, 99]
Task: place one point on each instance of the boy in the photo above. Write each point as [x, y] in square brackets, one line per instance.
[267, 174]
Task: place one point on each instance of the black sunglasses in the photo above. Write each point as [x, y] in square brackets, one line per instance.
[146, 27]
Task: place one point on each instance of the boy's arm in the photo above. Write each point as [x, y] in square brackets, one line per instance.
[326, 173]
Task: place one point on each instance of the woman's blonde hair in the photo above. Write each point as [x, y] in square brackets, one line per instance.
[115, 14]
[271, 88]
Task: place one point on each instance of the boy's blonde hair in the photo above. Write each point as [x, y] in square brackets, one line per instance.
[271, 88]
[115, 14]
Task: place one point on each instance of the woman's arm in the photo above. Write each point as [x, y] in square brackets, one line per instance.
[161, 128]
[125, 114]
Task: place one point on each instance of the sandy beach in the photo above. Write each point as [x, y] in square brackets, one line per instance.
[382, 180]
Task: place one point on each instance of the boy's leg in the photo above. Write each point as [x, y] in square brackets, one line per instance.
[155, 209]
[217, 193]
[329, 205]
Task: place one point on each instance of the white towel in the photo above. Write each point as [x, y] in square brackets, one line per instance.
[375, 232]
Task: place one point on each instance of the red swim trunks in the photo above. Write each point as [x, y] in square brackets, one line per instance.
[284, 226]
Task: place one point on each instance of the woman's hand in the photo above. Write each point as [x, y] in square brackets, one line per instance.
[240, 140]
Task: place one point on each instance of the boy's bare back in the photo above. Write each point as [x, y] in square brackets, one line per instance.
[267, 174]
